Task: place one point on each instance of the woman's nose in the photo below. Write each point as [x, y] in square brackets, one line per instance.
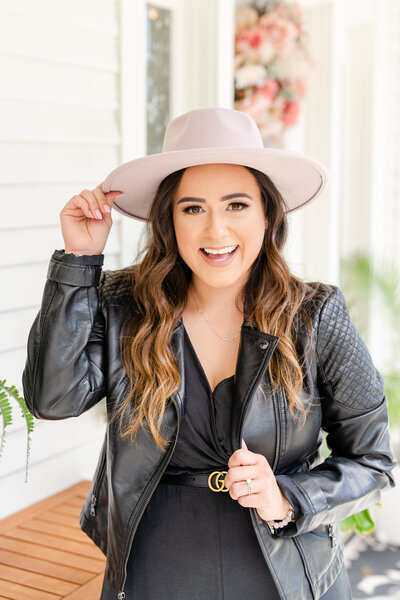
[216, 222]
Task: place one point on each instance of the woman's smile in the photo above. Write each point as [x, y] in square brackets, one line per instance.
[218, 213]
[218, 258]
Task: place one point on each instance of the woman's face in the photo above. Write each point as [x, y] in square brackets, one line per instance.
[216, 207]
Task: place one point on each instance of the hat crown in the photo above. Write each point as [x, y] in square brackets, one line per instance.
[212, 128]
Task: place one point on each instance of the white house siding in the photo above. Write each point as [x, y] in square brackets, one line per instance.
[73, 107]
[59, 134]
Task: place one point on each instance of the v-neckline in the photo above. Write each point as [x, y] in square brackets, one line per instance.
[202, 371]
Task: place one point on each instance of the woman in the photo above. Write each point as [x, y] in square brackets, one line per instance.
[220, 368]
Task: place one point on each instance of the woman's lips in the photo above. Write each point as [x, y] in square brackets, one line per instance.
[219, 259]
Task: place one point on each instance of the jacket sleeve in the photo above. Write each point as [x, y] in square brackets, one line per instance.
[64, 371]
[354, 415]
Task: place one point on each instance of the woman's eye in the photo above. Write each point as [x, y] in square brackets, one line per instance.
[195, 209]
[189, 209]
[241, 204]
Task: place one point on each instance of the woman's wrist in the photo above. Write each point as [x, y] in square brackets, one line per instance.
[80, 253]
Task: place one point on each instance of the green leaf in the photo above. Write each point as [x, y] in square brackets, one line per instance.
[11, 393]
[361, 522]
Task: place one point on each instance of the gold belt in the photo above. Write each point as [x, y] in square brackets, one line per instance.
[214, 481]
[220, 484]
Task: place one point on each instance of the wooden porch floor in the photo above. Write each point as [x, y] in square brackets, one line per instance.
[44, 555]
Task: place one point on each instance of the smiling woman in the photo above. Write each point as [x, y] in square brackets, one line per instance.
[221, 224]
[220, 369]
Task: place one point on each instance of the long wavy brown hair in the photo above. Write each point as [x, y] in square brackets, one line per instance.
[272, 297]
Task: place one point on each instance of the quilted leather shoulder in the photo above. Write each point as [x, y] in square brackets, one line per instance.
[344, 362]
[316, 295]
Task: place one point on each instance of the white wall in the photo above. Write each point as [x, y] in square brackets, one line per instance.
[59, 134]
[73, 108]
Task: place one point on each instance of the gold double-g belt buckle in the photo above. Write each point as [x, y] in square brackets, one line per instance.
[220, 484]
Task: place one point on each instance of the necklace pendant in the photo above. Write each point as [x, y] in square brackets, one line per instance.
[227, 340]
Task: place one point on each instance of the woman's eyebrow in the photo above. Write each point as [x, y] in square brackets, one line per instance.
[227, 197]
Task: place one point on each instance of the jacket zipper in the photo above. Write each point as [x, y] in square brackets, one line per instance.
[277, 429]
[275, 463]
[93, 499]
[273, 466]
[276, 458]
[265, 554]
[267, 356]
[154, 481]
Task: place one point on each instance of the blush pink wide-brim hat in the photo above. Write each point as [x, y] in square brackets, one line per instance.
[214, 135]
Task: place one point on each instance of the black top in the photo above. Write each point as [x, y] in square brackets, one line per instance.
[204, 441]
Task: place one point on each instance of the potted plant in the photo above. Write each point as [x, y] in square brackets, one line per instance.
[8, 393]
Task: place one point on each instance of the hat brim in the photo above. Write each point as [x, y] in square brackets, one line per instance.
[298, 177]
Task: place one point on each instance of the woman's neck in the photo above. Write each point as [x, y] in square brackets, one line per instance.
[215, 301]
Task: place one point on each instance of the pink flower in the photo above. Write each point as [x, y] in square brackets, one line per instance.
[290, 113]
[279, 32]
[254, 37]
[269, 89]
[245, 18]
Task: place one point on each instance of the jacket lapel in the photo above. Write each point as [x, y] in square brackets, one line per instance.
[177, 345]
[255, 351]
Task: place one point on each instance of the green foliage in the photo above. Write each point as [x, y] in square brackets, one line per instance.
[8, 393]
[361, 522]
[366, 284]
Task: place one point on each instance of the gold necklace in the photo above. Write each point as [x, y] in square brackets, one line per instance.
[210, 326]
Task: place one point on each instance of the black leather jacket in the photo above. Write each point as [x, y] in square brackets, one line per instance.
[74, 361]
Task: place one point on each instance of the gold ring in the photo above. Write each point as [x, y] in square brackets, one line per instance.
[221, 484]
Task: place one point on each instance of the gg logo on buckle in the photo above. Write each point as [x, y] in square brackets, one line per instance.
[221, 485]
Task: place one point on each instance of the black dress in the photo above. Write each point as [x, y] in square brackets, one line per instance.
[192, 543]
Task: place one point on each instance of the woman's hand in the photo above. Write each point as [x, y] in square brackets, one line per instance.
[86, 221]
[266, 496]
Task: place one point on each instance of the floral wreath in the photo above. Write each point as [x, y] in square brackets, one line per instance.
[272, 66]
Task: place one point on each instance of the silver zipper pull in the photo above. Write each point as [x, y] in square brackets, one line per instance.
[121, 595]
[93, 502]
[331, 535]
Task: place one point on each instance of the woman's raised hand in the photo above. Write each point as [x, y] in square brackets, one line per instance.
[86, 221]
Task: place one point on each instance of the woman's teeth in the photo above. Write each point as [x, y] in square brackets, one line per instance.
[220, 251]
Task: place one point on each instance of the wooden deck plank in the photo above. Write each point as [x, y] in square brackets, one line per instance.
[65, 509]
[79, 489]
[15, 591]
[92, 565]
[44, 583]
[37, 565]
[58, 530]
[60, 519]
[43, 539]
[75, 501]
[90, 591]
[44, 555]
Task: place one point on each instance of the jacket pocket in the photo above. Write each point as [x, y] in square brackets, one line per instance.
[321, 551]
[93, 517]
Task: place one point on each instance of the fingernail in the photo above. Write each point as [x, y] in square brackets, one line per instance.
[107, 208]
[98, 214]
[90, 214]
[244, 445]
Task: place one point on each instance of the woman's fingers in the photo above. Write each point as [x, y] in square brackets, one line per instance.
[78, 206]
[105, 201]
[94, 200]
